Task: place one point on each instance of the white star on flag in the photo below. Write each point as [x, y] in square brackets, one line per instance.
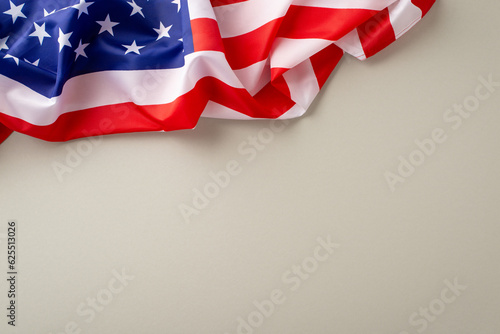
[135, 8]
[45, 13]
[82, 7]
[178, 3]
[133, 48]
[80, 50]
[3, 43]
[162, 31]
[63, 39]
[15, 58]
[107, 25]
[35, 63]
[40, 32]
[15, 11]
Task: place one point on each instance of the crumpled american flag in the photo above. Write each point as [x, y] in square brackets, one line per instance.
[79, 68]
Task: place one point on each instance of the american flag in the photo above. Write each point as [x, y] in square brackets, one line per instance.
[77, 68]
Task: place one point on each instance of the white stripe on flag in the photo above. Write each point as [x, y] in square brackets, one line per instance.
[351, 44]
[346, 4]
[254, 77]
[404, 14]
[244, 17]
[200, 9]
[302, 83]
[294, 112]
[148, 87]
[215, 110]
[288, 53]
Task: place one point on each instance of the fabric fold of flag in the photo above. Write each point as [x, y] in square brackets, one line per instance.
[79, 68]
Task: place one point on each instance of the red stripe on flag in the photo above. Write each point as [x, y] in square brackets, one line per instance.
[376, 33]
[325, 61]
[245, 50]
[206, 35]
[4, 132]
[324, 23]
[330, 24]
[279, 82]
[183, 113]
[424, 5]
[217, 3]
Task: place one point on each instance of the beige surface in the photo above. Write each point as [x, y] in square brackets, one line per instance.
[395, 253]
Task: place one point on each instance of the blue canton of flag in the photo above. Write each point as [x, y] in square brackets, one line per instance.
[44, 44]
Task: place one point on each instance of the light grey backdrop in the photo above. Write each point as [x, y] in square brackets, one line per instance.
[306, 234]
